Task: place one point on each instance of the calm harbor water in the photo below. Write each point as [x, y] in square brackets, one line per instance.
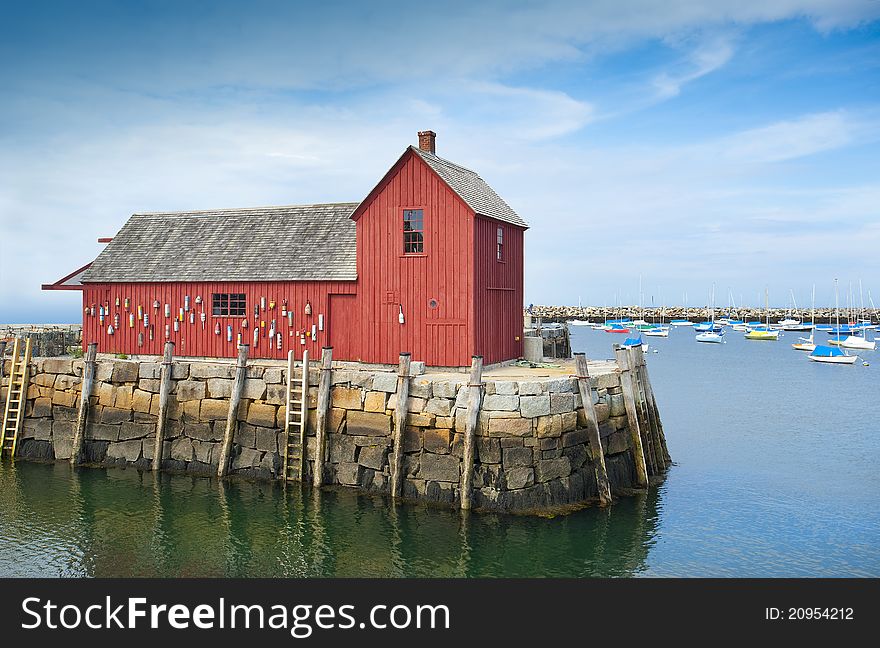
[775, 475]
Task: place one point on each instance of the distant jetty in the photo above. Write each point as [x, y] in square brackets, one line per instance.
[600, 313]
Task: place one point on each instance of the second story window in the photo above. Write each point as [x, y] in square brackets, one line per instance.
[413, 231]
[500, 245]
[228, 304]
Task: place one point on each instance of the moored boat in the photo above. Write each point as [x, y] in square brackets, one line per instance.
[763, 332]
[831, 355]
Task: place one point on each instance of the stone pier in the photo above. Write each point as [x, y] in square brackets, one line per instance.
[532, 452]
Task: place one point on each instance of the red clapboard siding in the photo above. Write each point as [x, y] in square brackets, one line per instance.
[196, 340]
[498, 293]
[390, 281]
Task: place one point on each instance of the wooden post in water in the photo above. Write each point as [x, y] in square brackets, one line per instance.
[475, 396]
[400, 424]
[79, 434]
[304, 413]
[321, 415]
[653, 418]
[232, 416]
[632, 417]
[583, 379]
[652, 403]
[162, 420]
[2, 358]
[633, 354]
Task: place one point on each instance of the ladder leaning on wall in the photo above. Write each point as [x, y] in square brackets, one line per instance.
[296, 419]
[16, 397]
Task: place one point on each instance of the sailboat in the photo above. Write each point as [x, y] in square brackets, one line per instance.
[711, 335]
[856, 340]
[658, 330]
[830, 354]
[794, 324]
[682, 322]
[808, 344]
[635, 342]
[764, 332]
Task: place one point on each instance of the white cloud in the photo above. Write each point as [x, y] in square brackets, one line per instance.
[796, 138]
[704, 59]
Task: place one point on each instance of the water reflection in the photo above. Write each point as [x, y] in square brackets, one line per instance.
[57, 521]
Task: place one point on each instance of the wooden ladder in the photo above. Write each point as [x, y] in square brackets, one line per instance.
[297, 418]
[16, 397]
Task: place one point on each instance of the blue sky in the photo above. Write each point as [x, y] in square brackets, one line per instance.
[685, 142]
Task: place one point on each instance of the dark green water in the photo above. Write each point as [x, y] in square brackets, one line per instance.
[777, 466]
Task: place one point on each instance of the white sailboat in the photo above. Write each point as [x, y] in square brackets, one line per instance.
[808, 344]
[711, 336]
[856, 342]
[830, 354]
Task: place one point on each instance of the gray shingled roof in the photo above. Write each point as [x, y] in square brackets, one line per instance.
[471, 188]
[294, 243]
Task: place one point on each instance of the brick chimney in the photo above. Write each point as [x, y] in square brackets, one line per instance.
[426, 140]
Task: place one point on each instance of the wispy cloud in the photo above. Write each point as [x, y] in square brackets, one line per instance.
[806, 135]
[705, 58]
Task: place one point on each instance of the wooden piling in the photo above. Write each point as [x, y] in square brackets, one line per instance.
[321, 415]
[2, 358]
[653, 418]
[593, 438]
[304, 413]
[232, 416]
[400, 424]
[79, 433]
[652, 402]
[475, 397]
[633, 354]
[164, 391]
[632, 417]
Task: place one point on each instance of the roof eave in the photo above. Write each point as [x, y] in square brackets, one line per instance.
[60, 284]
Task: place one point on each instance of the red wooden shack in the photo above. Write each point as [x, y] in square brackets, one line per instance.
[430, 262]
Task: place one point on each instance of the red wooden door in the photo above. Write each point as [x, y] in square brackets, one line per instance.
[343, 327]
